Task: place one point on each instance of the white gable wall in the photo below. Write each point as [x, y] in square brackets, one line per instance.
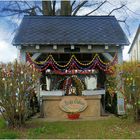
[135, 51]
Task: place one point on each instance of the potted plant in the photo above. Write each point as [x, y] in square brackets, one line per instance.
[73, 115]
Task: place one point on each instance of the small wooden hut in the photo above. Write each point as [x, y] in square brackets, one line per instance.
[73, 54]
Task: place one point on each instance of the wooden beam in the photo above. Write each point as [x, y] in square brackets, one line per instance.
[22, 56]
[83, 49]
[35, 56]
[107, 56]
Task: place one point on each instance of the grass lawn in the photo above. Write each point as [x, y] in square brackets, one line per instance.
[109, 128]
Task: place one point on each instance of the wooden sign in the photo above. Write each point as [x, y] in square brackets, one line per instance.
[73, 104]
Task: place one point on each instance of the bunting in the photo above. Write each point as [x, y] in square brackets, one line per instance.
[73, 66]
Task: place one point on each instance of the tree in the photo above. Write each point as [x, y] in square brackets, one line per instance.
[17, 84]
[131, 78]
[65, 8]
[49, 7]
[130, 86]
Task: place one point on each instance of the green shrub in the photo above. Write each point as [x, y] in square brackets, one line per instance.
[17, 85]
[2, 123]
[8, 135]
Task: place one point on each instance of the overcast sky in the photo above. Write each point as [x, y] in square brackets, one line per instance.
[7, 26]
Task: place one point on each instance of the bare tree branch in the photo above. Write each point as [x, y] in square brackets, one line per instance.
[131, 11]
[124, 20]
[12, 8]
[27, 4]
[96, 8]
[17, 5]
[79, 6]
[91, 4]
[69, 7]
[28, 11]
[115, 9]
[126, 25]
[73, 3]
[40, 10]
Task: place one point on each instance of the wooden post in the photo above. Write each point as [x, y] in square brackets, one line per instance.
[120, 62]
[21, 54]
[108, 56]
[120, 56]
[120, 82]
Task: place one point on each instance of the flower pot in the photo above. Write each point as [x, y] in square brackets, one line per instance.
[73, 116]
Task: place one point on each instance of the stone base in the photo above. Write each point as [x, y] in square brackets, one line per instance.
[50, 107]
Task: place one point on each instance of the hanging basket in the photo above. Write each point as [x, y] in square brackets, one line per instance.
[73, 116]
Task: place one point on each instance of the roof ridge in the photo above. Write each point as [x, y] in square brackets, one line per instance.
[42, 16]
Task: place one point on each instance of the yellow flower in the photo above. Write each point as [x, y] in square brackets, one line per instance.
[127, 79]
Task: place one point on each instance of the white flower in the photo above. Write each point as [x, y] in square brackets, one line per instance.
[3, 79]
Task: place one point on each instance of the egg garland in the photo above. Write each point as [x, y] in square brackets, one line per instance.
[73, 63]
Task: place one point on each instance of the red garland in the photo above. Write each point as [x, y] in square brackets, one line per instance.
[72, 66]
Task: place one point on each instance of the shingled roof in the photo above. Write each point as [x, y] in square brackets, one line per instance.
[70, 30]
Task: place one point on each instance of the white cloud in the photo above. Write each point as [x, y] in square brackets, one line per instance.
[14, 20]
[134, 5]
[7, 52]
